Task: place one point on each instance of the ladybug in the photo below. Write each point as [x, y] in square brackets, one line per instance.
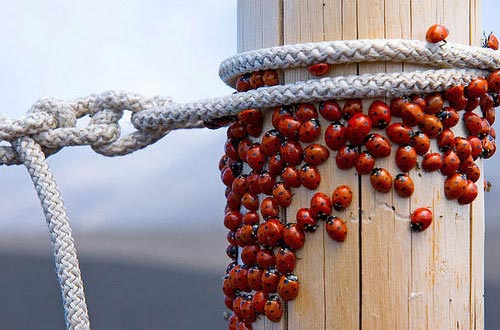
[285, 260]
[291, 152]
[256, 79]
[288, 287]
[473, 103]
[233, 202]
[254, 278]
[454, 94]
[335, 136]
[280, 112]
[489, 147]
[270, 233]
[421, 142]
[346, 157]
[269, 208]
[237, 306]
[491, 42]
[454, 186]
[461, 104]
[477, 88]
[381, 180]
[266, 183]
[310, 177]
[463, 148]
[473, 123]
[486, 102]
[270, 280]
[431, 125]
[470, 193]
[421, 219]
[380, 114]
[227, 176]
[330, 110]
[318, 69]
[247, 234]
[406, 158]
[309, 131]
[259, 301]
[451, 162]
[490, 115]
[419, 100]
[244, 325]
[399, 133]
[275, 165]
[320, 206]
[305, 111]
[473, 173]
[358, 127]
[228, 301]
[251, 218]
[254, 130]
[365, 163]
[352, 107]
[291, 177]
[341, 197]
[233, 322]
[266, 258]
[237, 130]
[305, 220]
[494, 82]
[446, 140]
[316, 154]
[241, 279]
[288, 127]
[403, 185]
[232, 220]
[256, 158]
[247, 310]
[434, 103]
[274, 308]
[243, 148]
[227, 288]
[378, 145]
[231, 237]
[253, 183]
[271, 142]
[270, 77]
[432, 162]
[485, 128]
[436, 33]
[293, 236]
[396, 106]
[336, 228]
[243, 83]
[411, 114]
[465, 164]
[282, 194]
[449, 117]
[250, 202]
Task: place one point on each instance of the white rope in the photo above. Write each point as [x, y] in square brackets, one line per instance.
[66, 261]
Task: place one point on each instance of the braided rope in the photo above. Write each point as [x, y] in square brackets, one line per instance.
[66, 261]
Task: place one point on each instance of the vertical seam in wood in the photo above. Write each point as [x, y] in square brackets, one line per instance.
[281, 25]
[360, 248]
[471, 222]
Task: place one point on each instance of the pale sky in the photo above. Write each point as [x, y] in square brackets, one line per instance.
[70, 49]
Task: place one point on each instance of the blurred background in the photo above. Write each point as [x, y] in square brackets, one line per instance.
[148, 226]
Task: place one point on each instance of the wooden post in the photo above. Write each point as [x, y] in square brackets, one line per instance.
[383, 276]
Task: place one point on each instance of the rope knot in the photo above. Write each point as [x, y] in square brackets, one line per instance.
[61, 111]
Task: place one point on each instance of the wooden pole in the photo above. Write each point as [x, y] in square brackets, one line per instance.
[383, 276]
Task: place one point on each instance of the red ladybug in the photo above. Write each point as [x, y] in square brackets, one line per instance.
[451, 162]
[406, 158]
[489, 147]
[266, 183]
[228, 301]
[396, 106]
[285, 260]
[288, 126]
[293, 236]
[247, 310]
[403, 185]
[434, 103]
[365, 163]
[318, 69]
[305, 112]
[232, 220]
[341, 197]
[288, 287]
[469, 194]
[446, 140]
[336, 228]
[358, 127]
[473, 103]
[305, 220]
[256, 158]
[254, 130]
[412, 114]
[490, 116]
[454, 94]
[486, 102]
[291, 152]
[233, 201]
[270, 280]
[240, 185]
[378, 145]
[251, 218]
[346, 157]
[231, 237]
[243, 148]
[431, 125]
[473, 123]
[275, 165]
[352, 107]
[485, 128]
[419, 100]
[436, 33]
[309, 131]
[477, 88]
[310, 177]
[491, 42]
[381, 180]
[259, 301]
[247, 234]
[269, 208]
[237, 130]
[266, 258]
[291, 177]
[270, 232]
[449, 117]
[274, 308]
[335, 136]
[270, 77]
[227, 287]
[432, 162]
[473, 173]
[330, 110]
[271, 142]
[280, 112]
[421, 142]
[316, 154]
[227, 176]
[494, 82]
[380, 114]
[320, 206]
[253, 183]
[237, 306]
[463, 148]
[282, 194]
[241, 279]
[243, 83]
[477, 147]
[256, 79]
[250, 202]
[233, 322]
[454, 186]
[399, 133]
[421, 219]
[244, 325]
[254, 278]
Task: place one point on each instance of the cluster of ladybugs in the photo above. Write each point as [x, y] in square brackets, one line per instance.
[288, 157]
